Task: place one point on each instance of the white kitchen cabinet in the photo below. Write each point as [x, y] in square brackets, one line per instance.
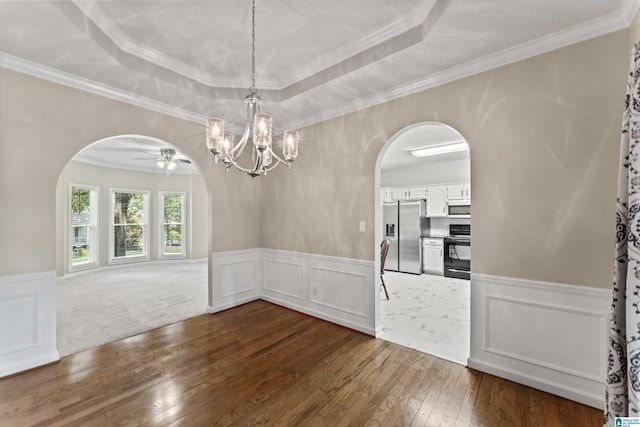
[437, 201]
[413, 193]
[417, 193]
[432, 256]
[459, 192]
[400, 193]
[386, 194]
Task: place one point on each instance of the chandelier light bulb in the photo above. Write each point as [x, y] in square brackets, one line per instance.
[171, 165]
[262, 131]
[160, 163]
[225, 146]
[215, 131]
[290, 145]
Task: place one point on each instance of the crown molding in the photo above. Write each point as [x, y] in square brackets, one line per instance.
[66, 79]
[120, 41]
[589, 30]
[416, 18]
[548, 43]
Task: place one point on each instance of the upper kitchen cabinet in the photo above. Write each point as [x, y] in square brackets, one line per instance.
[414, 193]
[386, 194]
[400, 193]
[459, 192]
[418, 193]
[437, 201]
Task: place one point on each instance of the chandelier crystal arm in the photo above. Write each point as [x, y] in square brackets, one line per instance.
[243, 141]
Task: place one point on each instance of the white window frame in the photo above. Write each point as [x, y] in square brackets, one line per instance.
[94, 198]
[145, 226]
[161, 224]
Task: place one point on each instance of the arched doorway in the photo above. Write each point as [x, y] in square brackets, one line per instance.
[429, 305]
[132, 240]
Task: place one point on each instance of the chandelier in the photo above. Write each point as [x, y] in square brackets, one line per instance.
[257, 129]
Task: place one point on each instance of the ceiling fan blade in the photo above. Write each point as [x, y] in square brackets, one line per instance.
[184, 160]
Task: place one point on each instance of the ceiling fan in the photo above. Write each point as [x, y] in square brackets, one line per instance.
[167, 159]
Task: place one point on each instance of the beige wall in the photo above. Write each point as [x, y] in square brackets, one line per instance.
[635, 30]
[544, 138]
[77, 173]
[543, 133]
[43, 125]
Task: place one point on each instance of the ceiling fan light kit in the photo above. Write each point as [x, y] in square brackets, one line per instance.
[258, 128]
[168, 160]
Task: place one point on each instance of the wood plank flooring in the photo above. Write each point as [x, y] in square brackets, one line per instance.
[260, 364]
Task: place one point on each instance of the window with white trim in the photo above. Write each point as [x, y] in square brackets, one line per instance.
[83, 227]
[172, 225]
[129, 237]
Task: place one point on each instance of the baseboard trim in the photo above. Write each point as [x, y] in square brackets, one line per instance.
[222, 307]
[320, 315]
[555, 388]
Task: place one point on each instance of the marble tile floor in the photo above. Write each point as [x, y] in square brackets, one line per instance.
[428, 313]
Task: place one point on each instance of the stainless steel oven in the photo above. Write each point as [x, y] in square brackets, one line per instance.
[457, 252]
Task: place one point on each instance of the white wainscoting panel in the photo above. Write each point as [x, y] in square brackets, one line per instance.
[235, 278]
[339, 290]
[549, 336]
[27, 322]
[284, 278]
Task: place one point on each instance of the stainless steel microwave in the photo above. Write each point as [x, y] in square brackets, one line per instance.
[459, 209]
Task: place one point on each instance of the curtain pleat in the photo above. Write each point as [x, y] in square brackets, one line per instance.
[623, 372]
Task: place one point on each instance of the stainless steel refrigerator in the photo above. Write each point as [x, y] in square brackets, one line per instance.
[405, 223]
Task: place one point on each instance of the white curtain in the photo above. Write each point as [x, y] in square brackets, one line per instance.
[623, 372]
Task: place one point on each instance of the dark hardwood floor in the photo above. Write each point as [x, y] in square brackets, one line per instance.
[260, 364]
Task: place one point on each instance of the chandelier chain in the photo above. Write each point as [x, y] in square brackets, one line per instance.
[253, 89]
[258, 130]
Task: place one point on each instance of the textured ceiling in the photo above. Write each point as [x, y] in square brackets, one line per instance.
[314, 59]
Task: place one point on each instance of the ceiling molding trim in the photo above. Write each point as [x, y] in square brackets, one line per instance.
[60, 77]
[545, 44]
[96, 15]
[373, 41]
[629, 10]
[344, 52]
[384, 49]
[592, 29]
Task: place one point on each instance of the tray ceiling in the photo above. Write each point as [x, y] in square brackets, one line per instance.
[314, 60]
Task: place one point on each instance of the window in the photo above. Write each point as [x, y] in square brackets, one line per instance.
[130, 215]
[172, 225]
[83, 241]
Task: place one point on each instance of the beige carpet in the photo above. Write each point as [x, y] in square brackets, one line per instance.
[95, 308]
